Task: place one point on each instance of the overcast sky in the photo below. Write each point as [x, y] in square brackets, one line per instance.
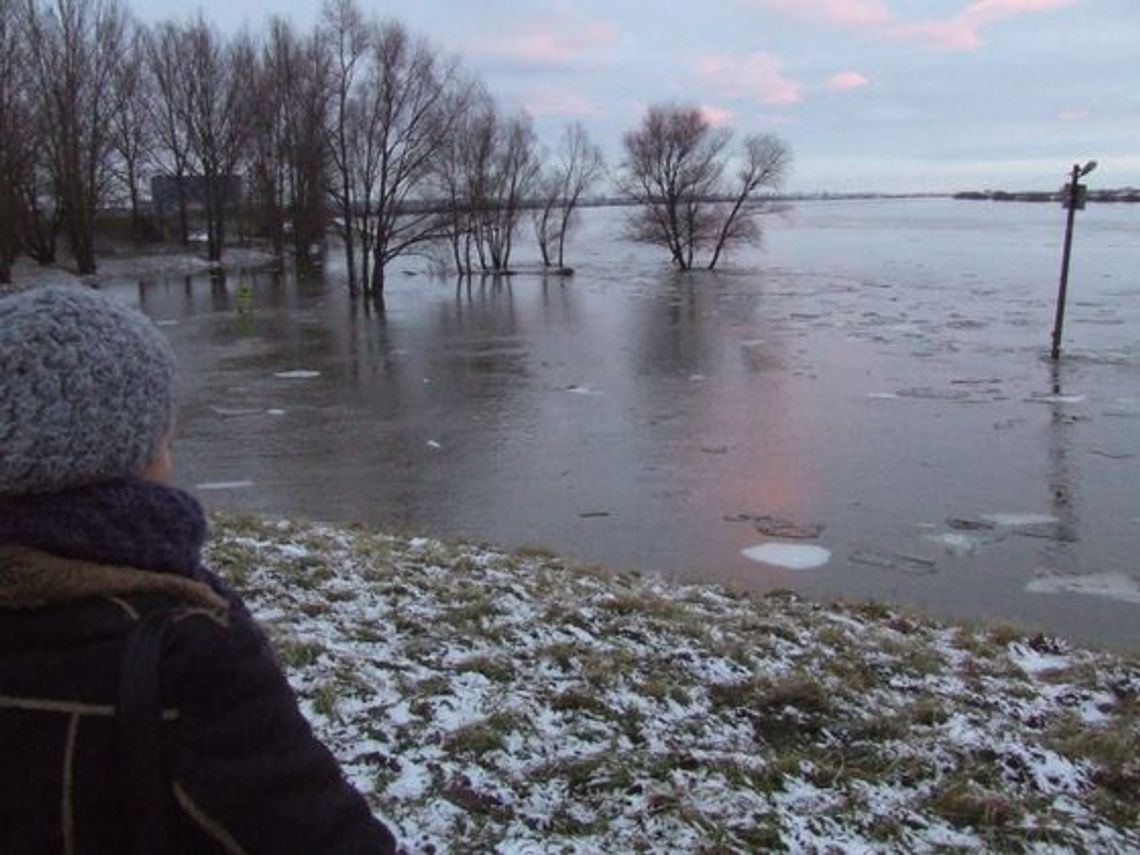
[893, 95]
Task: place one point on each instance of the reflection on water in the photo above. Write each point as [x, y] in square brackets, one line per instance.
[875, 379]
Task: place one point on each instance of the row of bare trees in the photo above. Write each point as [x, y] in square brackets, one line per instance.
[356, 126]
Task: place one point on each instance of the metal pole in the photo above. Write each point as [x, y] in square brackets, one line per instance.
[1059, 320]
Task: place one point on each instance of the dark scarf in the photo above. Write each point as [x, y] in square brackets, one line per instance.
[128, 522]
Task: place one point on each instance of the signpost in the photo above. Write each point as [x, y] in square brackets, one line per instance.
[1073, 198]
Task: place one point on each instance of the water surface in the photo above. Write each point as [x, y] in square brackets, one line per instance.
[876, 373]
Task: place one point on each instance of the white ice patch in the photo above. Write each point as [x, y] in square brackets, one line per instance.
[167, 323]
[1057, 399]
[1018, 518]
[433, 445]
[793, 556]
[297, 374]
[582, 390]
[955, 543]
[882, 396]
[275, 412]
[1114, 586]
[235, 411]
[224, 485]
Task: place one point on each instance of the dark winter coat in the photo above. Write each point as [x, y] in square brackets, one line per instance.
[76, 572]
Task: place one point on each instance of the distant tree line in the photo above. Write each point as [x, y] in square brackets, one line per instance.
[357, 126]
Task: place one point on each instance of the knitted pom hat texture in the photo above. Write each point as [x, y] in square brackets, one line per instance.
[86, 390]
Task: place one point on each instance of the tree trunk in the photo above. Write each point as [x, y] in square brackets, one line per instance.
[377, 290]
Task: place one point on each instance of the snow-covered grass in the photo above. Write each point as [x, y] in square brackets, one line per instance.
[488, 701]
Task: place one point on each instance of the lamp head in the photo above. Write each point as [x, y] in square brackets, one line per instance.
[1088, 167]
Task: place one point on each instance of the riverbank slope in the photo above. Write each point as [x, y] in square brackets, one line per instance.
[513, 702]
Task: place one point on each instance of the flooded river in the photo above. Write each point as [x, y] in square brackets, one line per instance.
[862, 408]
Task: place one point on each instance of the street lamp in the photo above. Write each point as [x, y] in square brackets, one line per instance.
[1074, 199]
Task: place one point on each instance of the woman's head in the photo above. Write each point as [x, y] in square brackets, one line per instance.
[86, 390]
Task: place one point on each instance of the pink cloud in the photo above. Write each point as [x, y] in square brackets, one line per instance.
[962, 31]
[845, 81]
[759, 76]
[554, 45]
[848, 13]
[717, 117]
[956, 32]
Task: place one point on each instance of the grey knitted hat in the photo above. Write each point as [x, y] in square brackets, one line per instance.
[86, 390]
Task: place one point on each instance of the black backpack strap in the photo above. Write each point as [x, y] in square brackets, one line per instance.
[143, 773]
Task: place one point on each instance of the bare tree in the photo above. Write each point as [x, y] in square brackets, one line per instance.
[290, 138]
[74, 47]
[457, 176]
[346, 37]
[13, 131]
[765, 163]
[509, 171]
[674, 168]
[218, 75]
[408, 111]
[579, 167]
[167, 50]
[132, 132]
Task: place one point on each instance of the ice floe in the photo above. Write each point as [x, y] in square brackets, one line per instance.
[955, 543]
[235, 411]
[297, 374]
[1057, 399]
[792, 556]
[223, 485]
[581, 390]
[1018, 518]
[1114, 586]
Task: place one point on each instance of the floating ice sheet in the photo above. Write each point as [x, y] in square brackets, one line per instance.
[224, 485]
[1114, 586]
[793, 556]
[297, 374]
[955, 542]
[1019, 518]
[1057, 399]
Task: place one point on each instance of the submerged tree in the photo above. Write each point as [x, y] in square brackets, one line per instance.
[395, 103]
[675, 170]
[579, 166]
[219, 108]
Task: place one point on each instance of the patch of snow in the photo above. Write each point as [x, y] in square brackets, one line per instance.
[275, 412]
[882, 396]
[432, 444]
[792, 556]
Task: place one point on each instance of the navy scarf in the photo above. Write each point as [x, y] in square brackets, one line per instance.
[130, 522]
